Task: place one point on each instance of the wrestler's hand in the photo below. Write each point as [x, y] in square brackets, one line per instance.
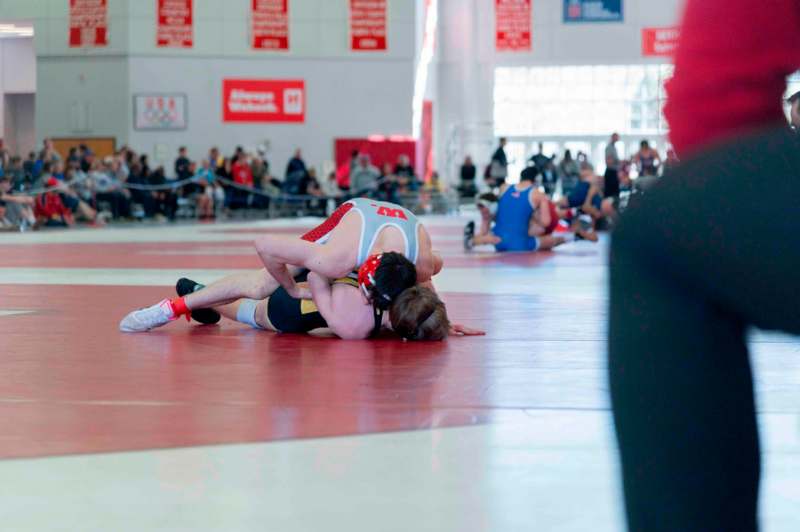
[457, 329]
[300, 291]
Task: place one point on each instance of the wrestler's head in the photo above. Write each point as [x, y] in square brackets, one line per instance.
[419, 314]
[383, 277]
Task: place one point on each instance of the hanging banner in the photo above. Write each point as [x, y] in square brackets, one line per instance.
[88, 23]
[175, 24]
[512, 25]
[270, 24]
[159, 112]
[592, 10]
[368, 25]
[660, 42]
[261, 100]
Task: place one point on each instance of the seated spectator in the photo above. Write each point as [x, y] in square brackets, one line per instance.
[364, 178]
[241, 174]
[32, 173]
[403, 167]
[145, 198]
[55, 176]
[17, 209]
[183, 172]
[467, 187]
[388, 185]
[49, 154]
[330, 187]
[205, 178]
[50, 210]
[166, 200]
[109, 190]
[16, 174]
[296, 165]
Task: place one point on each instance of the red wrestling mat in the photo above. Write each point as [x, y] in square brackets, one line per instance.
[70, 383]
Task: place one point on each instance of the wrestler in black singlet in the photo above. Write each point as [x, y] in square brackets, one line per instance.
[290, 315]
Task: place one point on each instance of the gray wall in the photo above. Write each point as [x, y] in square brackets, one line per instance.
[17, 78]
[88, 92]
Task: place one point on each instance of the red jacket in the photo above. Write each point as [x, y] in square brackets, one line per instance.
[49, 206]
[730, 69]
[242, 174]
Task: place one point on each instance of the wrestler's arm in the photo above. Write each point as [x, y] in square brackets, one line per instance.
[277, 251]
[342, 318]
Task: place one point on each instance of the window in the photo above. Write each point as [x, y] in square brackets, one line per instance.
[580, 100]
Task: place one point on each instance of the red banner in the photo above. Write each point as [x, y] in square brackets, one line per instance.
[270, 24]
[175, 24]
[368, 25]
[260, 100]
[512, 25]
[88, 23]
[659, 42]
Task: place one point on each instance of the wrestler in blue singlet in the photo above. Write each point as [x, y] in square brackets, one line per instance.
[514, 211]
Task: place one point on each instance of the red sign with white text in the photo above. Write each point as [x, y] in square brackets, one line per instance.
[262, 100]
[368, 25]
[512, 25]
[270, 24]
[88, 23]
[660, 42]
[175, 24]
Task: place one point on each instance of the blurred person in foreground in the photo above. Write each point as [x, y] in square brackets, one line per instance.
[689, 278]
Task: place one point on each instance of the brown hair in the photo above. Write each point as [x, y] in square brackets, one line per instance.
[419, 314]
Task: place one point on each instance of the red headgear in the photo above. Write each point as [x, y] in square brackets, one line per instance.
[366, 274]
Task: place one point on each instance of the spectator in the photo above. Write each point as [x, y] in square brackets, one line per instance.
[611, 177]
[296, 166]
[467, 187]
[404, 168]
[49, 153]
[109, 190]
[50, 210]
[363, 180]
[145, 198]
[145, 166]
[32, 173]
[546, 168]
[206, 178]
[388, 185]
[242, 175]
[569, 171]
[672, 160]
[166, 201]
[16, 174]
[647, 160]
[330, 187]
[17, 209]
[497, 170]
[182, 164]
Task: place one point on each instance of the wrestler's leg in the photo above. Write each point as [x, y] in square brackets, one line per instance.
[248, 311]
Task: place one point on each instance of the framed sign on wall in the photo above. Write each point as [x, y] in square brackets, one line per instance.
[160, 112]
[593, 11]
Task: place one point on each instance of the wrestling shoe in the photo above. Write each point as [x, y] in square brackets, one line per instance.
[469, 236]
[145, 319]
[206, 316]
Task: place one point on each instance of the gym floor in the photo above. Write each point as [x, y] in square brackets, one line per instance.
[226, 428]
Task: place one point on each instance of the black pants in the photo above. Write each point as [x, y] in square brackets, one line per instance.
[711, 250]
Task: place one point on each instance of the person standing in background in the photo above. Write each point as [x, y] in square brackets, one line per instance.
[611, 177]
[497, 170]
